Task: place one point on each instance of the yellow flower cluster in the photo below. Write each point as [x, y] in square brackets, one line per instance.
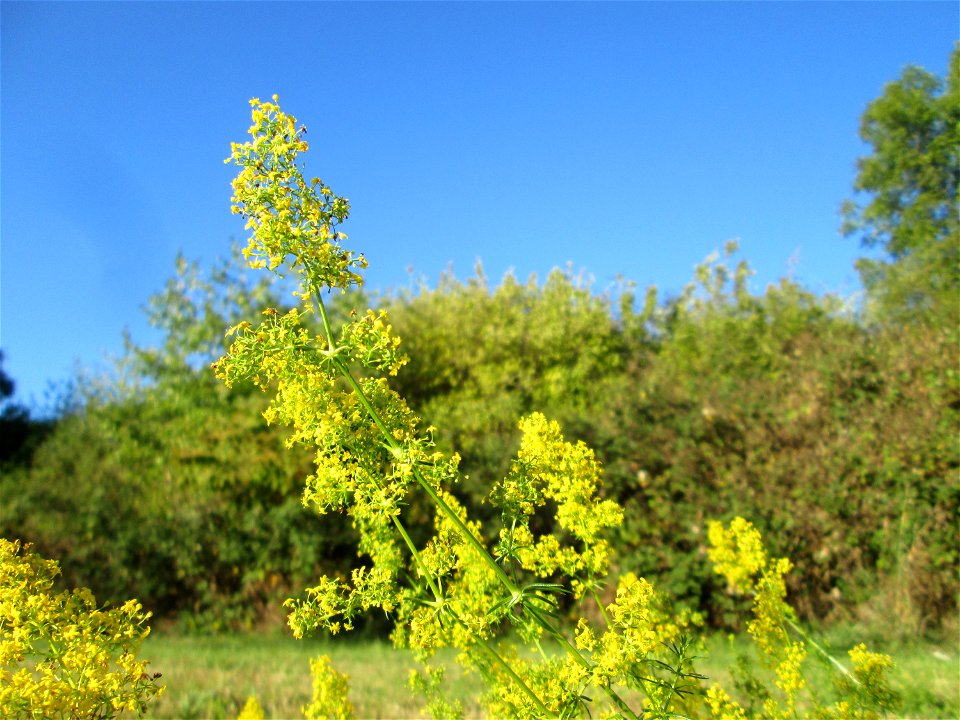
[252, 710]
[789, 679]
[548, 468]
[736, 553]
[739, 555]
[722, 706]
[868, 664]
[866, 690]
[61, 655]
[330, 688]
[371, 338]
[291, 219]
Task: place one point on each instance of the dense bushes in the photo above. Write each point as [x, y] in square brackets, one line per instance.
[166, 487]
[824, 433]
[838, 440]
[549, 347]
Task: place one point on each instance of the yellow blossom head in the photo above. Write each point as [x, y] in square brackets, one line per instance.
[737, 553]
[292, 220]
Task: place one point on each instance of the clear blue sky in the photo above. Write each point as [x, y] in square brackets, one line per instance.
[626, 138]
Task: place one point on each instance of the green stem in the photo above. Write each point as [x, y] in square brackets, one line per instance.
[580, 659]
[492, 652]
[465, 533]
[428, 576]
[439, 501]
[618, 701]
[497, 658]
[611, 693]
[448, 511]
[323, 315]
[665, 706]
[603, 610]
[836, 663]
[557, 635]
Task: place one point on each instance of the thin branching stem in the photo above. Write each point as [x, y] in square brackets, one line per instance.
[323, 313]
[427, 575]
[471, 538]
[816, 646]
[603, 610]
[573, 652]
[418, 476]
[465, 532]
[479, 641]
[446, 509]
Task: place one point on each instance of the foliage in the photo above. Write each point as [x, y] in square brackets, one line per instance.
[838, 441]
[911, 180]
[553, 347]
[19, 433]
[169, 488]
[60, 654]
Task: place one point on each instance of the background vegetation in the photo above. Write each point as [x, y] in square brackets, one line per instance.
[831, 425]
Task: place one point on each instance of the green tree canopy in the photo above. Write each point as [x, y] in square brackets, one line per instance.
[910, 181]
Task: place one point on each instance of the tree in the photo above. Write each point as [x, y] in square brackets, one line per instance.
[911, 179]
[19, 433]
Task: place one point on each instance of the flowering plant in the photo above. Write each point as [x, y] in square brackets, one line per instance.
[60, 654]
[456, 589]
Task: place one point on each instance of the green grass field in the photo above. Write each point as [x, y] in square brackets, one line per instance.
[211, 677]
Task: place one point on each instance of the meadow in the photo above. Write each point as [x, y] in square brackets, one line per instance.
[212, 676]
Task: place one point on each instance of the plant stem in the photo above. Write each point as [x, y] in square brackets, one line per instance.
[492, 652]
[446, 509]
[579, 658]
[618, 701]
[497, 658]
[466, 534]
[677, 673]
[836, 663]
[439, 501]
[603, 610]
[323, 312]
[428, 576]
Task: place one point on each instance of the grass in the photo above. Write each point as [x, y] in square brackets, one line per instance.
[211, 677]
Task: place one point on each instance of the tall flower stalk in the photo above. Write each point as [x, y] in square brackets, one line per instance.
[456, 590]
[331, 389]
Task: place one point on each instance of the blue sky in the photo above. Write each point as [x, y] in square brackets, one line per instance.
[625, 139]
